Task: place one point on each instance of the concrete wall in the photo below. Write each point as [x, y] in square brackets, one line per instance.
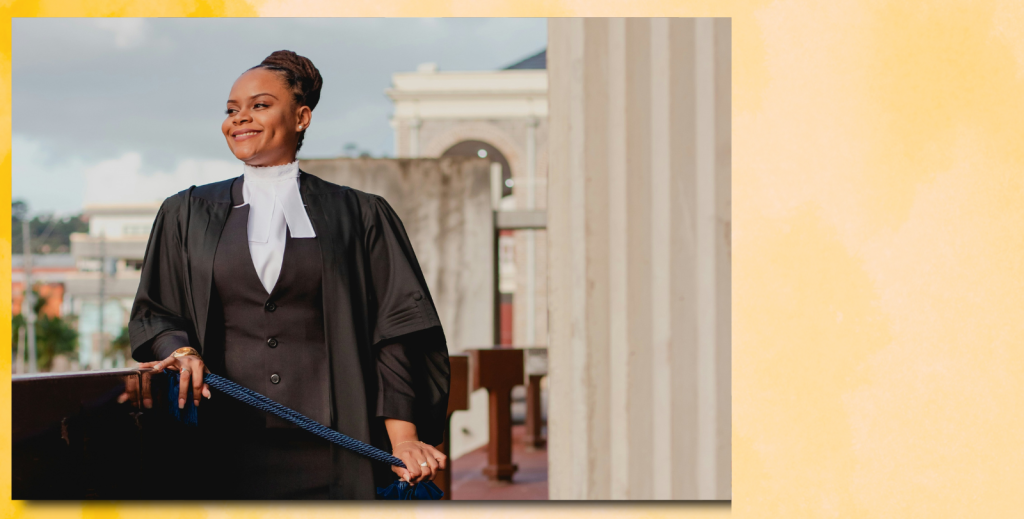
[445, 206]
[522, 139]
[639, 261]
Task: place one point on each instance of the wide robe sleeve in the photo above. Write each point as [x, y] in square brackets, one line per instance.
[160, 318]
[409, 344]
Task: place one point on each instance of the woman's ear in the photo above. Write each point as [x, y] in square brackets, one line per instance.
[305, 115]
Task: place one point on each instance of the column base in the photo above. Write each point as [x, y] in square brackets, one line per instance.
[500, 472]
[534, 443]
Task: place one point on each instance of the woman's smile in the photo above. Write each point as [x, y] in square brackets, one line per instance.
[241, 135]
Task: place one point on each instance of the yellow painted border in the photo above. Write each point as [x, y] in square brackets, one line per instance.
[878, 209]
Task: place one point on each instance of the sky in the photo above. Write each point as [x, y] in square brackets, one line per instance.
[129, 110]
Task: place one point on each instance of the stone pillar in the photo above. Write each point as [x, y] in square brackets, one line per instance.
[396, 150]
[531, 236]
[639, 258]
[414, 138]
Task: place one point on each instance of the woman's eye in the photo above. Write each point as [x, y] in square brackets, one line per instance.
[230, 111]
[259, 104]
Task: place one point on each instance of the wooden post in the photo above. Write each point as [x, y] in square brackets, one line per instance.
[458, 400]
[536, 369]
[533, 438]
[498, 370]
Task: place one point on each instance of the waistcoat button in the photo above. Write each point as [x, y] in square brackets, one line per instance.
[270, 306]
[274, 378]
[272, 342]
[417, 296]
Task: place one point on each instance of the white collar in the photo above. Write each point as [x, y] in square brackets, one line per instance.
[272, 192]
[271, 173]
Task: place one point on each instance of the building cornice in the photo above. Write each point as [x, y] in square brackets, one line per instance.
[149, 209]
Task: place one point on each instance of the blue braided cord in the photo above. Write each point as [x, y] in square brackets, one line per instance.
[263, 403]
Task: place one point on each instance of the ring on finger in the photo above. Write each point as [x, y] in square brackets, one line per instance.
[185, 370]
[424, 464]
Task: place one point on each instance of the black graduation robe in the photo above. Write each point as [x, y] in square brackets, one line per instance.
[373, 293]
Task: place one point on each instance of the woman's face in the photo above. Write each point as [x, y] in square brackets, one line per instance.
[263, 119]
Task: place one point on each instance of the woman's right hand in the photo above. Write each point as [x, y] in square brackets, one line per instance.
[187, 366]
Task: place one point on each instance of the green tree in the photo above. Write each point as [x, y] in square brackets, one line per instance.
[48, 233]
[16, 323]
[54, 335]
[121, 344]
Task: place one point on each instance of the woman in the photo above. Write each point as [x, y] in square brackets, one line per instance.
[302, 290]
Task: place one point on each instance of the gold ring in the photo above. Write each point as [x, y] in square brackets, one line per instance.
[186, 351]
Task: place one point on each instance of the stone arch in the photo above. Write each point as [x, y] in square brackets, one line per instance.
[477, 131]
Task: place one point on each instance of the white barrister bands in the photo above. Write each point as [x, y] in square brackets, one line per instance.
[275, 205]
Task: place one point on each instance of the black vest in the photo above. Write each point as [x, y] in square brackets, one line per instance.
[272, 343]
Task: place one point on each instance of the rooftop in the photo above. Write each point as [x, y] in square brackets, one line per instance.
[44, 261]
[537, 61]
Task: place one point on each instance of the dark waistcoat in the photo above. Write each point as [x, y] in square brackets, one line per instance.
[273, 343]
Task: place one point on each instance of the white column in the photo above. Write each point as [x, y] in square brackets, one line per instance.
[638, 258]
[706, 261]
[531, 236]
[414, 138]
[661, 241]
[617, 232]
[395, 149]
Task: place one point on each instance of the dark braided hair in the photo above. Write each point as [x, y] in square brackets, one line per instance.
[301, 77]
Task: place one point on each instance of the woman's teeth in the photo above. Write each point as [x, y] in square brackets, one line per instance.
[246, 134]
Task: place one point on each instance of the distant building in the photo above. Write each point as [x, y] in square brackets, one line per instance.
[49, 275]
[117, 241]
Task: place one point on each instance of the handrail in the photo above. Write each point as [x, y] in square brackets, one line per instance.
[75, 435]
[49, 375]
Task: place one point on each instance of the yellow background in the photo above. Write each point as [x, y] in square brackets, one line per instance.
[878, 241]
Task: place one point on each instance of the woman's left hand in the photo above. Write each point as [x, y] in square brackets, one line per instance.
[423, 461]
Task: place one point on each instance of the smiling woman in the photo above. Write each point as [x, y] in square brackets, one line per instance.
[302, 290]
[267, 117]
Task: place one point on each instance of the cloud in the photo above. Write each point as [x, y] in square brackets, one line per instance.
[123, 180]
[48, 184]
[64, 186]
[128, 32]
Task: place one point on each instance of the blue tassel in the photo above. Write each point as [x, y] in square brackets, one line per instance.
[190, 414]
[401, 490]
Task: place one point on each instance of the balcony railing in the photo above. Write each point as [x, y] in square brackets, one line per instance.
[87, 435]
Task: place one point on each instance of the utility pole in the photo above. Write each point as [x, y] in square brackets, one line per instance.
[19, 364]
[95, 361]
[27, 300]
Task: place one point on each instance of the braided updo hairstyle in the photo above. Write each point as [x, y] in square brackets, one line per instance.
[301, 77]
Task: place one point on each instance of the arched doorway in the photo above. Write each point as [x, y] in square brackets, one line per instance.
[483, 150]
